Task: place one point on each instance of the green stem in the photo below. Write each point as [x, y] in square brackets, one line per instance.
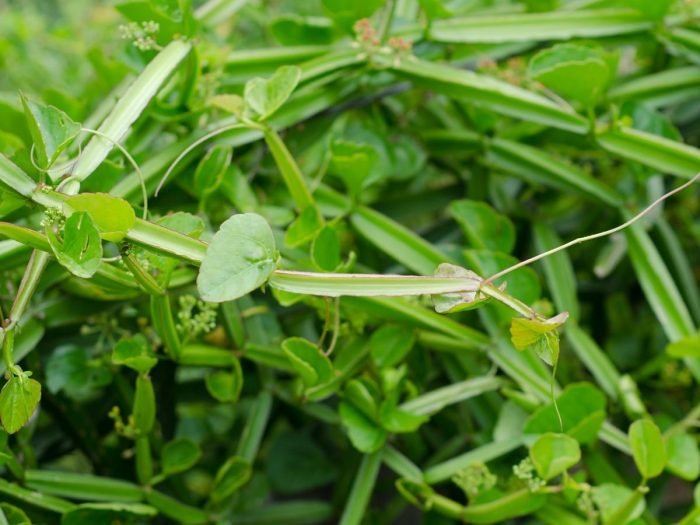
[365, 479]
[292, 175]
[508, 300]
[364, 285]
[147, 282]
[7, 352]
[27, 287]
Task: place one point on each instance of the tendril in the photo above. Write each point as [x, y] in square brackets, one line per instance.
[130, 159]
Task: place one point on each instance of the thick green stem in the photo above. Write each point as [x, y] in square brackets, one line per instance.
[364, 285]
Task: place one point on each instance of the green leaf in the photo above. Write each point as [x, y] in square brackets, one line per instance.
[113, 217]
[130, 105]
[353, 163]
[582, 410]
[179, 455]
[346, 12]
[553, 453]
[365, 435]
[240, 258]
[325, 249]
[211, 170]
[540, 336]
[233, 104]
[69, 369]
[266, 96]
[390, 344]
[51, 129]
[396, 420]
[230, 478]
[304, 228]
[361, 394]
[611, 498]
[296, 463]
[655, 10]
[685, 347]
[648, 448]
[490, 93]
[682, 456]
[483, 226]
[93, 513]
[311, 364]
[291, 30]
[13, 515]
[135, 353]
[18, 400]
[576, 72]
[80, 250]
[226, 387]
[527, 27]
[465, 300]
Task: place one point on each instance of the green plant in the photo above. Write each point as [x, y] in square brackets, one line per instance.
[219, 304]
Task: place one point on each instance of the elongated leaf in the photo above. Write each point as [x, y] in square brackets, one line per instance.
[539, 167]
[658, 153]
[396, 240]
[660, 289]
[648, 448]
[230, 478]
[361, 490]
[555, 25]
[492, 94]
[661, 89]
[130, 106]
[84, 487]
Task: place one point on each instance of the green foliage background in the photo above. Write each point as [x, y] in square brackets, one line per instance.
[471, 132]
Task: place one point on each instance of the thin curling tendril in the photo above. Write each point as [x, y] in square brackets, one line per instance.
[598, 235]
[190, 148]
[134, 164]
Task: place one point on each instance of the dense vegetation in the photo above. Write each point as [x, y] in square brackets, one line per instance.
[260, 262]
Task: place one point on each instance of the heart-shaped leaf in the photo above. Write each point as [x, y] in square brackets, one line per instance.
[51, 129]
[80, 250]
[537, 335]
[18, 400]
[113, 216]
[553, 453]
[135, 353]
[265, 96]
[240, 258]
[577, 72]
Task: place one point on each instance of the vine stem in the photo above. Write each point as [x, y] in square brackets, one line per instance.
[593, 236]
